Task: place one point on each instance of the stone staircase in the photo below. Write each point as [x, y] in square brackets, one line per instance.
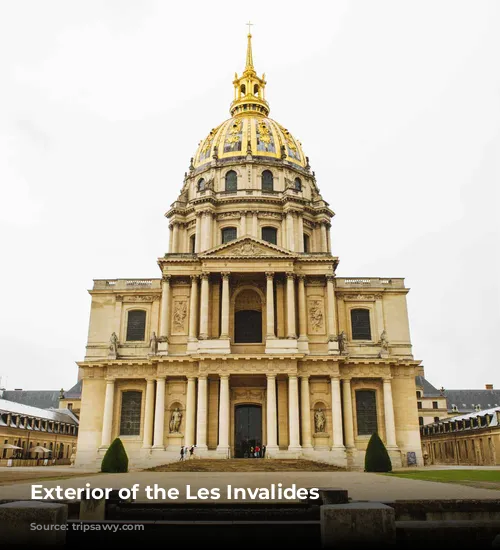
[246, 465]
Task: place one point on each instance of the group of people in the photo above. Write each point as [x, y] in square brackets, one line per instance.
[255, 452]
[187, 452]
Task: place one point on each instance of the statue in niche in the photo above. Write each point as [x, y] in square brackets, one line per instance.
[319, 420]
[153, 343]
[113, 345]
[384, 342]
[342, 340]
[175, 421]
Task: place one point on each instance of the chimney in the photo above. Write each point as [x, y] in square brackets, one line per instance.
[489, 386]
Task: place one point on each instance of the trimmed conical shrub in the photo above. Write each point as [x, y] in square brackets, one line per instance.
[115, 460]
[377, 458]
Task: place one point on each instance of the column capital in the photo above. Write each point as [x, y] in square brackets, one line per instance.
[270, 376]
[194, 278]
[335, 377]
[346, 379]
[224, 376]
[160, 378]
[306, 376]
[292, 376]
[330, 278]
[269, 274]
[110, 379]
[225, 274]
[191, 377]
[202, 377]
[166, 279]
[204, 275]
[243, 212]
[150, 379]
[301, 278]
[387, 379]
[290, 275]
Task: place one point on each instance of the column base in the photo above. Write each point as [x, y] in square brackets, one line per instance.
[214, 346]
[192, 346]
[147, 447]
[271, 450]
[223, 451]
[294, 448]
[103, 448]
[158, 447]
[333, 348]
[303, 344]
[279, 346]
[162, 348]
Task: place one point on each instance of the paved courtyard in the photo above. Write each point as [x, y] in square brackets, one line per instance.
[360, 485]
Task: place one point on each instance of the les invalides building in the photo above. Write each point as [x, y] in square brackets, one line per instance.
[248, 337]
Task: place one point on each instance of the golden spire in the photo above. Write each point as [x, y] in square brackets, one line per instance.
[249, 97]
[249, 65]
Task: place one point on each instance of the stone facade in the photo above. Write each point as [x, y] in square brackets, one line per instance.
[249, 312]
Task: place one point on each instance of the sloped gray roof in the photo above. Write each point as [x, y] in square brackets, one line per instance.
[467, 400]
[59, 415]
[42, 399]
[75, 392]
[428, 389]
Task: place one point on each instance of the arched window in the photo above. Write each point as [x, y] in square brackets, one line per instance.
[192, 244]
[136, 325]
[201, 185]
[267, 181]
[231, 181]
[270, 234]
[307, 243]
[243, 89]
[297, 184]
[256, 89]
[366, 411]
[228, 234]
[130, 417]
[360, 324]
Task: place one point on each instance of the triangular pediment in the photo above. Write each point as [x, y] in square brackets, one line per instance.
[249, 247]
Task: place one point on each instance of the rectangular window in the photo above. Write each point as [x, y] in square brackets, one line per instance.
[360, 324]
[366, 412]
[420, 421]
[130, 418]
[228, 234]
[136, 326]
[419, 404]
[436, 419]
[435, 405]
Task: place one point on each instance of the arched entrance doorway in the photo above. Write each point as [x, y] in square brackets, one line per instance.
[247, 429]
[248, 318]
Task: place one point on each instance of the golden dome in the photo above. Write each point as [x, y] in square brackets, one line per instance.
[242, 135]
[249, 131]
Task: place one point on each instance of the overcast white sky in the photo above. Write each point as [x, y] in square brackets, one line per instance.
[102, 104]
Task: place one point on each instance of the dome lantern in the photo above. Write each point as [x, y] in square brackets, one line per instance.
[249, 96]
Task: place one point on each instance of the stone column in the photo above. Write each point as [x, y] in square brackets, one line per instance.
[175, 237]
[190, 411]
[305, 407]
[348, 418]
[193, 307]
[302, 309]
[165, 307]
[243, 223]
[293, 413]
[255, 225]
[332, 317]
[224, 333]
[148, 413]
[159, 425]
[107, 421]
[324, 241]
[272, 419]
[197, 239]
[290, 230]
[223, 446]
[204, 299]
[270, 305]
[338, 440]
[284, 236]
[290, 297]
[300, 220]
[170, 237]
[207, 236]
[201, 418]
[390, 426]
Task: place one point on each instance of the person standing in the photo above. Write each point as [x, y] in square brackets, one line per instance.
[263, 451]
[191, 451]
[182, 453]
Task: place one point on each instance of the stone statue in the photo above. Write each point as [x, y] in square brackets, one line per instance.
[342, 340]
[153, 343]
[113, 344]
[319, 420]
[73, 456]
[175, 421]
[384, 342]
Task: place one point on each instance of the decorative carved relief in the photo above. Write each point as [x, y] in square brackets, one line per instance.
[316, 316]
[359, 297]
[179, 316]
[247, 394]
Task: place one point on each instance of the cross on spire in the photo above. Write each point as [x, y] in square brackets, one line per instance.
[250, 25]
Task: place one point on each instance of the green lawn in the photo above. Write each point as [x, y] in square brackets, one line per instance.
[452, 476]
